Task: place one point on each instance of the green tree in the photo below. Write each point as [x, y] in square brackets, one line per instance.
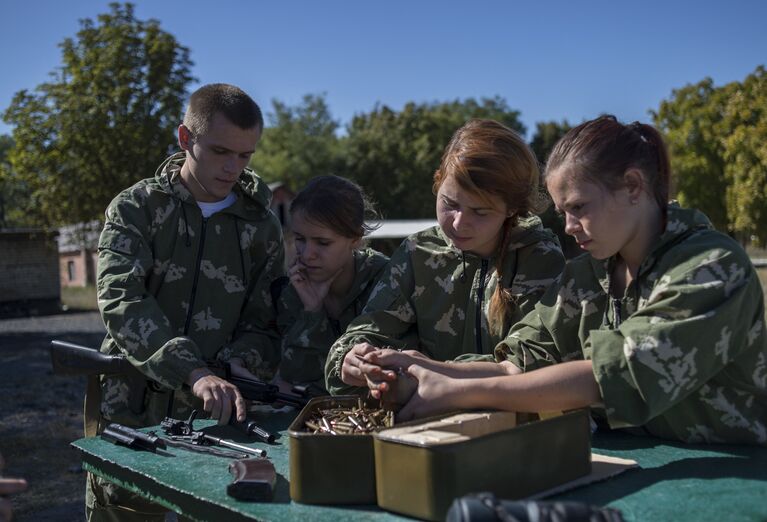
[691, 122]
[393, 155]
[105, 120]
[743, 135]
[299, 143]
[547, 134]
[10, 193]
[717, 138]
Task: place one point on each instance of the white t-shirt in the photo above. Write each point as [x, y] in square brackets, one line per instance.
[208, 209]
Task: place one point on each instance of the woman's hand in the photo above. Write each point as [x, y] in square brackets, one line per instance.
[390, 364]
[436, 393]
[238, 369]
[311, 293]
[356, 370]
[392, 359]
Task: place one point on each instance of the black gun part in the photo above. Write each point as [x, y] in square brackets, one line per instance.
[132, 438]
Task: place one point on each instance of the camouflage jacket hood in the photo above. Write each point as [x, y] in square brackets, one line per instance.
[434, 298]
[249, 187]
[681, 223]
[683, 353]
[307, 336]
[177, 291]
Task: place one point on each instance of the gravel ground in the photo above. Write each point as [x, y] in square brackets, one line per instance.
[43, 414]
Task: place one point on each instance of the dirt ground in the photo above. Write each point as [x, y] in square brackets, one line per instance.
[43, 414]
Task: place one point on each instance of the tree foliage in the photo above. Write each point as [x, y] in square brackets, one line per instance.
[690, 121]
[393, 155]
[717, 138]
[744, 143]
[547, 134]
[11, 191]
[299, 143]
[105, 119]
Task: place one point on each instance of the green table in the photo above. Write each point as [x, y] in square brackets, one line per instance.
[674, 482]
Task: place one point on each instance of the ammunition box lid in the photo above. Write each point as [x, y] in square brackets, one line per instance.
[451, 429]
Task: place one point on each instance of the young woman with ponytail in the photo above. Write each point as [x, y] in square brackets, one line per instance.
[660, 328]
[453, 291]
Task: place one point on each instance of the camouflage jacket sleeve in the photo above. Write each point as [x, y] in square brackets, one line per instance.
[131, 315]
[388, 319]
[549, 333]
[700, 316]
[256, 340]
[306, 337]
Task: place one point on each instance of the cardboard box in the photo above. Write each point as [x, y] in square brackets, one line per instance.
[422, 466]
[330, 469]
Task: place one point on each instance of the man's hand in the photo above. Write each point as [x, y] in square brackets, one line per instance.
[8, 486]
[217, 395]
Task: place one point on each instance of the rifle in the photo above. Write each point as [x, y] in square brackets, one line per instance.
[74, 359]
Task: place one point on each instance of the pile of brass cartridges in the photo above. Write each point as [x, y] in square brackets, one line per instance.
[354, 420]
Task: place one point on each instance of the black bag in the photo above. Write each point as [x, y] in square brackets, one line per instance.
[485, 507]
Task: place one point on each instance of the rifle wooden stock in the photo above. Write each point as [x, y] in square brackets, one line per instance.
[74, 359]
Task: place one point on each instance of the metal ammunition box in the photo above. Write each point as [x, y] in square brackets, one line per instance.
[330, 469]
[422, 467]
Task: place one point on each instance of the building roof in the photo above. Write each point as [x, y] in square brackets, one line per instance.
[399, 228]
[26, 232]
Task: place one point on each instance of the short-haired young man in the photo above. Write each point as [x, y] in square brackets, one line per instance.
[186, 260]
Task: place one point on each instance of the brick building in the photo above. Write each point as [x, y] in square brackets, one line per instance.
[29, 274]
[78, 253]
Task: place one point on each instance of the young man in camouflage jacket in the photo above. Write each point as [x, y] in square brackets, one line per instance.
[186, 260]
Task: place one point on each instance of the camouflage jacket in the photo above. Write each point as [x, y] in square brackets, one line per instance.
[683, 353]
[307, 336]
[176, 290]
[434, 298]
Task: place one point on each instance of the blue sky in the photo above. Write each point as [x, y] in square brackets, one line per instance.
[549, 59]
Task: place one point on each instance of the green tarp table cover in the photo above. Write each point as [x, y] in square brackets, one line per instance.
[674, 481]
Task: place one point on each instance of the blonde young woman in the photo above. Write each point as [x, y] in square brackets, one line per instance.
[454, 290]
